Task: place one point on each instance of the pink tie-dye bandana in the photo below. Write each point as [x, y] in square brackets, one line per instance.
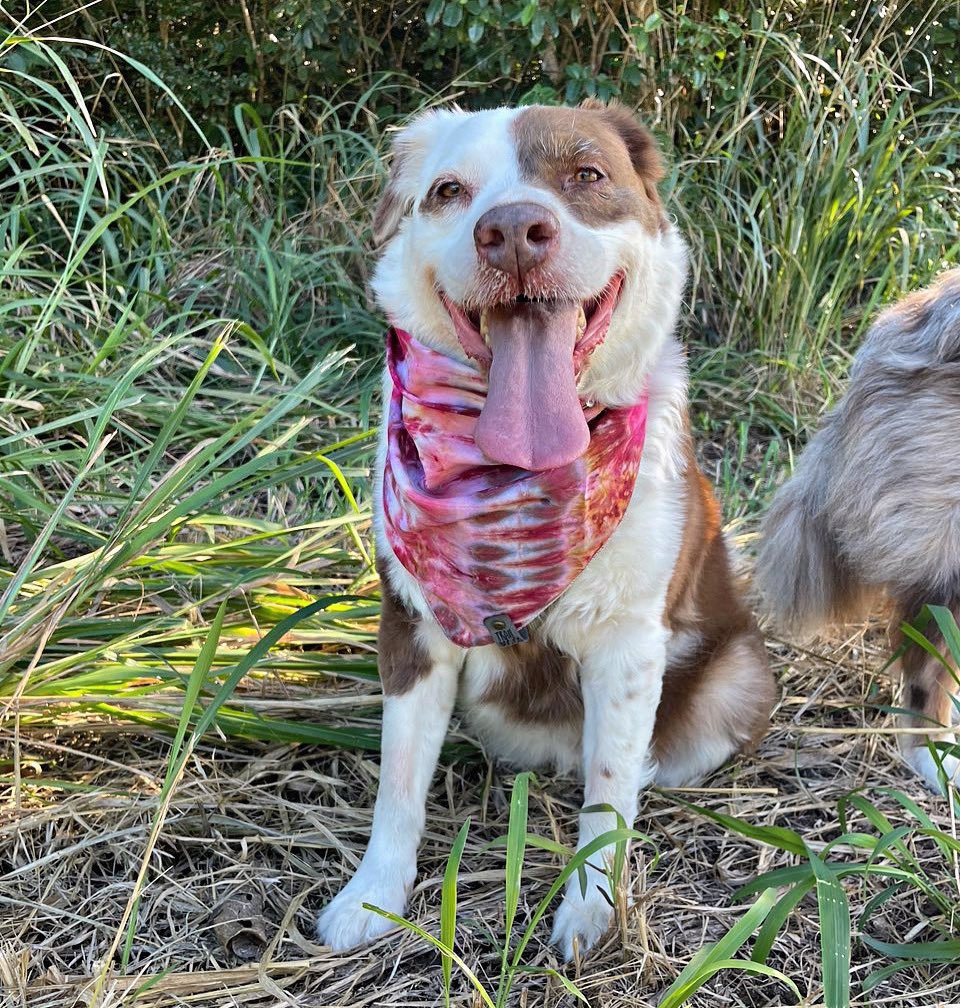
[491, 545]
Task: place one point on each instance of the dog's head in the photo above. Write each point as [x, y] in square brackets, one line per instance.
[534, 241]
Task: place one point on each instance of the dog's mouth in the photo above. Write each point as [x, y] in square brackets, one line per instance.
[535, 349]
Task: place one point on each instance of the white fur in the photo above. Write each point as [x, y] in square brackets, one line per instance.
[923, 763]
[610, 620]
[414, 726]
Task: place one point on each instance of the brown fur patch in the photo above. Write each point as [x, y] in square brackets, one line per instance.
[553, 143]
[705, 608]
[538, 684]
[401, 660]
[701, 549]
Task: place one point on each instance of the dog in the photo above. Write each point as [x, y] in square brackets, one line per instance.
[873, 507]
[548, 549]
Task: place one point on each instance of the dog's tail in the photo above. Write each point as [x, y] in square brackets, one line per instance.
[871, 507]
[804, 579]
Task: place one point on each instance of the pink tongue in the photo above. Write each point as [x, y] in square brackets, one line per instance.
[532, 417]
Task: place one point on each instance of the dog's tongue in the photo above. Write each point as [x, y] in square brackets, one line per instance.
[532, 417]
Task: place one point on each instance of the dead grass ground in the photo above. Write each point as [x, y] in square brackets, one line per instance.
[258, 838]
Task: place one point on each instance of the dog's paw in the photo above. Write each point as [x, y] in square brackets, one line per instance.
[923, 762]
[344, 923]
[581, 919]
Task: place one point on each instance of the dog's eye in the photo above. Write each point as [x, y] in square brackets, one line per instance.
[587, 175]
[449, 190]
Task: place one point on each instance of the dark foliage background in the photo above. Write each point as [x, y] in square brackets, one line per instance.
[268, 54]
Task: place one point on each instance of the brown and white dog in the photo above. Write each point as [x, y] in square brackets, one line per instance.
[873, 507]
[648, 667]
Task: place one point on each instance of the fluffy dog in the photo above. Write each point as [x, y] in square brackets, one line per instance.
[874, 504]
[548, 548]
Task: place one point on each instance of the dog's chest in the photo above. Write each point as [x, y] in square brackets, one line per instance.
[532, 683]
[524, 702]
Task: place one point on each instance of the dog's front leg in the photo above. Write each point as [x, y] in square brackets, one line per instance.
[414, 725]
[621, 682]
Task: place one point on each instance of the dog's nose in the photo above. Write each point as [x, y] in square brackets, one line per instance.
[516, 237]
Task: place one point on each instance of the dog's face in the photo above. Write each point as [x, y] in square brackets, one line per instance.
[534, 241]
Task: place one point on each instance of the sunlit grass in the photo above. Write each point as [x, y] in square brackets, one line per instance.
[186, 375]
[823, 190]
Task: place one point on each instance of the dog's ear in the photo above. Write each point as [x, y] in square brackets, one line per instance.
[644, 154]
[408, 152]
[394, 202]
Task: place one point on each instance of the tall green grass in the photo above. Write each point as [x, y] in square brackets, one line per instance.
[187, 359]
[823, 184]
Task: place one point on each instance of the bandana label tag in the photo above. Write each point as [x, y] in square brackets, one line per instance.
[504, 632]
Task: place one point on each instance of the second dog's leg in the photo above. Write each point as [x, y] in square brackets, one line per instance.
[414, 725]
[621, 684]
[928, 691]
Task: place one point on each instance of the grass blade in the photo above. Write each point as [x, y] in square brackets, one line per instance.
[774, 836]
[714, 957]
[834, 935]
[567, 984]
[516, 848]
[439, 946]
[874, 979]
[777, 918]
[934, 951]
[448, 906]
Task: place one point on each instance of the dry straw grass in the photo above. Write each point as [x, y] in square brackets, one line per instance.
[257, 838]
